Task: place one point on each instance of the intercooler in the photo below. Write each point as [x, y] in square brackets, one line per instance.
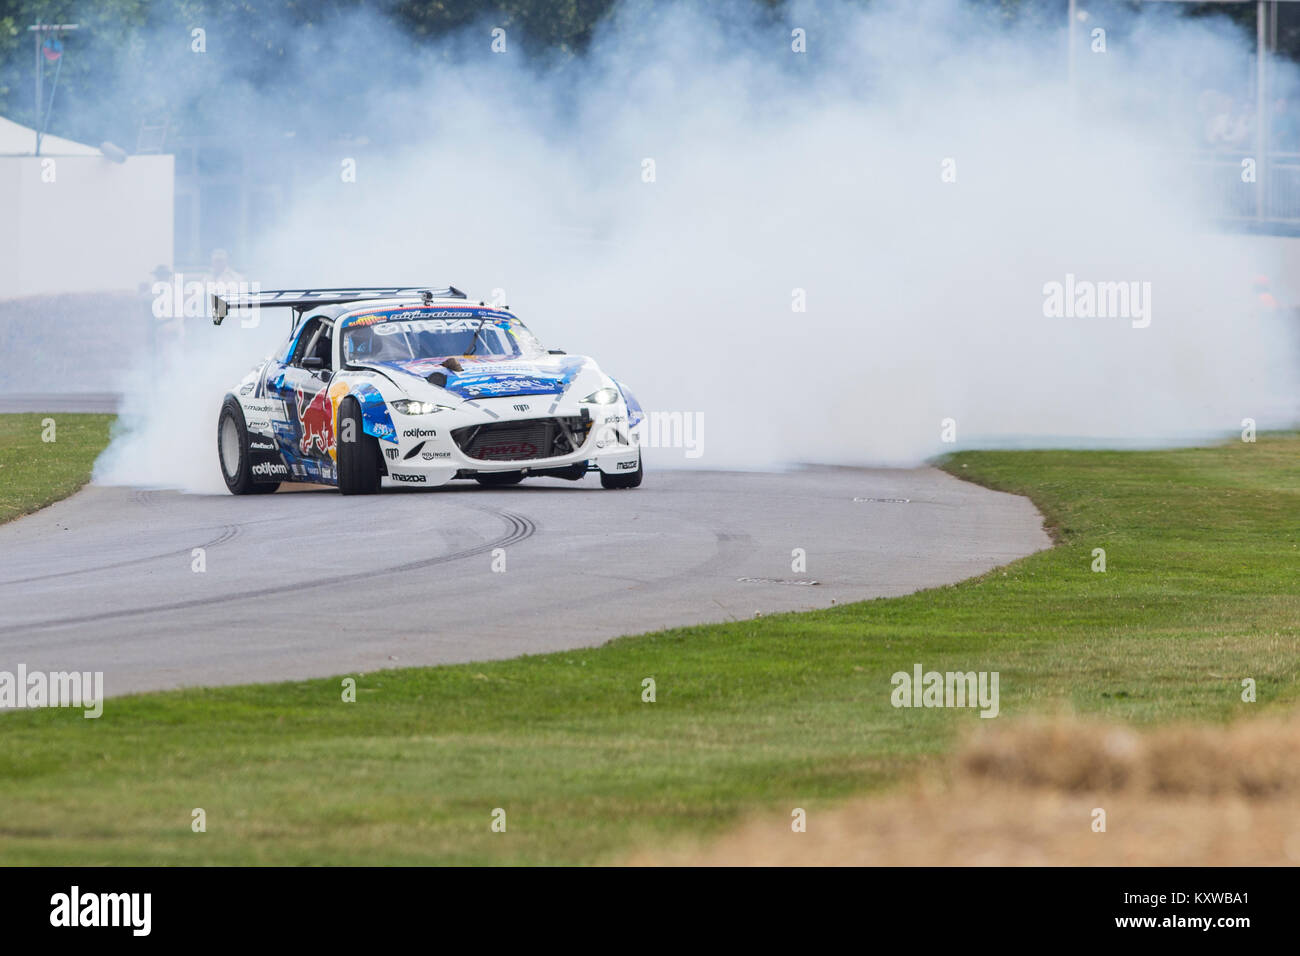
[524, 440]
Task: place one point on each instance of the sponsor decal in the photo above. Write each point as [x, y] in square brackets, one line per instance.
[391, 453]
[614, 419]
[270, 469]
[634, 411]
[260, 414]
[511, 450]
[494, 379]
[626, 466]
[506, 386]
[398, 476]
[428, 322]
[419, 433]
[524, 408]
[316, 416]
[431, 455]
[489, 367]
[261, 446]
[409, 313]
[375, 419]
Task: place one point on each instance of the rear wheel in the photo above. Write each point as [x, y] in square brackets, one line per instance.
[499, 479]
[232, 451]
[359, 465]
[630, 480]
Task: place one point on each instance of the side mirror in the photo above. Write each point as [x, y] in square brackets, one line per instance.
[556, 352]
[313, 362]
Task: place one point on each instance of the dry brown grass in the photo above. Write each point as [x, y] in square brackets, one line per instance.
[1024, 794]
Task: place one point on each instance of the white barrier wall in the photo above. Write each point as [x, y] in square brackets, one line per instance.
[83, 223]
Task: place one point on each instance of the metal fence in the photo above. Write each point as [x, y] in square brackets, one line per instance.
[1267, 196]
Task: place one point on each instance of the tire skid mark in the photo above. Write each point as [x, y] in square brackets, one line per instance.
[518, 528]
[148, 497]
[227, 532]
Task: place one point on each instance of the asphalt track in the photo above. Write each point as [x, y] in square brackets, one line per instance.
[312, 584]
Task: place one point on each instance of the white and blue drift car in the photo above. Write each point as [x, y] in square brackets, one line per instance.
[421, 387]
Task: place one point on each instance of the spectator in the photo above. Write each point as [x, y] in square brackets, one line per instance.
[1226, 125]
[221, 271]
[169, 324]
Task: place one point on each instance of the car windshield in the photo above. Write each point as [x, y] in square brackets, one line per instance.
[402, 340]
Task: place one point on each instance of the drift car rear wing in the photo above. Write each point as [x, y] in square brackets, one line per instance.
[300, 300]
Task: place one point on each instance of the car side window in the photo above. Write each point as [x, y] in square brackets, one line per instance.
[322, 347]
[314, 341]
[307, 333]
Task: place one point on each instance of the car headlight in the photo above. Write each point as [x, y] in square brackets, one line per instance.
[604, 396]
[408, 407]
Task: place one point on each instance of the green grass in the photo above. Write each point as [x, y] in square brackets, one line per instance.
[35, 472]
[1203, 557]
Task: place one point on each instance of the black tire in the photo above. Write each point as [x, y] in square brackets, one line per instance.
[360, 465]
[232, 452]
[499, 479]
[617, 482]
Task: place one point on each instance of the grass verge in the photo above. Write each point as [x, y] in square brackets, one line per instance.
[41, 463]
[1202, 558]
[1042, 792]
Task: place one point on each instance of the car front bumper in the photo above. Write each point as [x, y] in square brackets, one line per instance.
[512, 434]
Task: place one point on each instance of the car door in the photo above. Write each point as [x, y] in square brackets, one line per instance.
[303, 385]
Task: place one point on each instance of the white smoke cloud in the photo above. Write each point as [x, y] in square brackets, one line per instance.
[778, 171]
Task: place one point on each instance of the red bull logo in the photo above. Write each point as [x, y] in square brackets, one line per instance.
[316, 416]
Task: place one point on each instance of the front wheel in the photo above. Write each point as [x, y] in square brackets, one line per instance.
[232, 451]
[359, 465]
[630, 480]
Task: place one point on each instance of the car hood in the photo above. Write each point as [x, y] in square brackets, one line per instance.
[487, 378]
